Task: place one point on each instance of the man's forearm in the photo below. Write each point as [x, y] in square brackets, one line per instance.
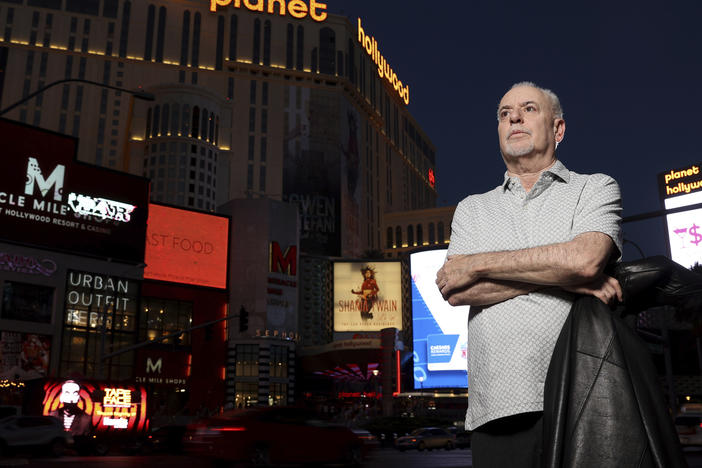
[487, 292]
[564, 264]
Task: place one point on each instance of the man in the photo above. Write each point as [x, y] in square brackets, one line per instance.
[74, 419]
[517, 255]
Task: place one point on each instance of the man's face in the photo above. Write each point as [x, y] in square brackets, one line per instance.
[70, 393]
[526, 124]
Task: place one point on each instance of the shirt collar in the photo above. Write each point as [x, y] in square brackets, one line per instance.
[558, 170]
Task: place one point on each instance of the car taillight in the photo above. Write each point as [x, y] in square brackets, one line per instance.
[229, 429]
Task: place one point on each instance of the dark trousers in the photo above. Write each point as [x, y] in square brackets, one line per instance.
[511, 442]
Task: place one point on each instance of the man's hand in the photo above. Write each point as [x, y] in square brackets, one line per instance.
[605, 288]
[458, 273]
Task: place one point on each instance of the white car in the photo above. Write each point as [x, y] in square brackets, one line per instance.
[25, 432]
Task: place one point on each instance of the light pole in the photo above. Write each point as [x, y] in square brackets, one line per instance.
[421, 392]
[136, 93]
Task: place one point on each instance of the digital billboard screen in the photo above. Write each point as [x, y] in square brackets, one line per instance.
[189, 247]
[367, 296]
[85, 408]
[49, 199]
[679, 188]
[440, 330]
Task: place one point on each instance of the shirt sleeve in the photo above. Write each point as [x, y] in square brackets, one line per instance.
[600, 210]
[461, 240]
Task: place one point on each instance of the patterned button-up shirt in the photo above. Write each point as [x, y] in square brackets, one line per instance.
[510, 343]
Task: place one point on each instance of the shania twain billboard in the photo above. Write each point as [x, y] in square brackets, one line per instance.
[367, 296]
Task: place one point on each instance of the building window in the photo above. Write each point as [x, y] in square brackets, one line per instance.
[246, 394]
[277, 394]
[233, 26]
[149, 42]
[410, 235]
[290, 36]
[327, 51]
[420, 234]
[440, 229]
[185, 38]
[388, 240]
[219, 54]
[256, 55]
[398, 236]
[262, 179]
[279, 361]
[124, 30]
[247, 360]
[161, 33]
[267, 43]
[300, 64]
[160, 317]
[432, 234]
[252, 92]
[196, 122]
[27, 302]
[196, 41]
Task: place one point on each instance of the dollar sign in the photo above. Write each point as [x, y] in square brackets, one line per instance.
[693, 233]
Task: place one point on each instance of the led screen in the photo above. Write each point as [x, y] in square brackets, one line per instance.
[48, 199]
[186, 247]
[440, 330]
[367, 296]
[685, 230]
[85, 408]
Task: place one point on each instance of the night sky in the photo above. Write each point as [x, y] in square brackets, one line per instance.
[628, 75]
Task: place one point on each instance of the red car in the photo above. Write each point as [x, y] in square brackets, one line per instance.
[273, 435]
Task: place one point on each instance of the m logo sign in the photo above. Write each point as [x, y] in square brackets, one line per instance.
[282, 262]
[34, 175]
[154, 367]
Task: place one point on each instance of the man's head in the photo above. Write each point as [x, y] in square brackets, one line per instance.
[70, 393]
[529, 123]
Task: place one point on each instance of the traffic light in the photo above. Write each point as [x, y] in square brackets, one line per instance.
[243, 319]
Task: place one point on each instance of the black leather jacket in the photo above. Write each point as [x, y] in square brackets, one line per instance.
[603, 405]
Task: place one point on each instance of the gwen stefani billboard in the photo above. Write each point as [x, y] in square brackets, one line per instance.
[48, 199]
[367, 296]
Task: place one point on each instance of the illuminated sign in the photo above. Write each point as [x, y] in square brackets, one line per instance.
[282, 262]
[679, 188]
[161, 366]
[49, 199]
[367, 297]
[432, 178]
[16, 263]
[439, 330]
[295, 8]
[85, 407]
[91, 297]
[680, 181]
[371, 45]
[25, 355]
[188, 247]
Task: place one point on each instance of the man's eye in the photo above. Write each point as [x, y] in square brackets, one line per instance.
[530, 108]
[504, 114]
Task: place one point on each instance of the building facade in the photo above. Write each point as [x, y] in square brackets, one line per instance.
[247, 104]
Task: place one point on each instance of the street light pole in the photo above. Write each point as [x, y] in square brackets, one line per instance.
[136, 93]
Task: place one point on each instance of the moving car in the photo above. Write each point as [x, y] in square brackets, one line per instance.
[426, 438]
[29, 432]
[272, 436]
[689, 428]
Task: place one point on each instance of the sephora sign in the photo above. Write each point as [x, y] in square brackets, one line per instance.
[48, 199]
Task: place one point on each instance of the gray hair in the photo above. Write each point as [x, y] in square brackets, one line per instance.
[555, 102]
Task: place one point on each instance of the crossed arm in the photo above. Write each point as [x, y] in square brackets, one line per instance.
[492, 277]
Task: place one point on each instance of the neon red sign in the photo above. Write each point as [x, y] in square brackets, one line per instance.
[432, 178]
[282, 262]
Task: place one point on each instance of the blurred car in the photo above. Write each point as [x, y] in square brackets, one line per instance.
[463, 439]
[689, 428]
[30, 432]
[369, 440]
[273, 435]
[165, 439]
[426, 438]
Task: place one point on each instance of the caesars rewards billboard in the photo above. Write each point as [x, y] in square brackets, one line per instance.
[367, 296]
[184, 246]
[48, 199]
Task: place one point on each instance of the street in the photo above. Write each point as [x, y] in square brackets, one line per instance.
[381, 458]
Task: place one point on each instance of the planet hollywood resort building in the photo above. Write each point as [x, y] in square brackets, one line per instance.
[253, 99]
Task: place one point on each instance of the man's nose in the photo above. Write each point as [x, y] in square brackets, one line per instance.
[515, 116]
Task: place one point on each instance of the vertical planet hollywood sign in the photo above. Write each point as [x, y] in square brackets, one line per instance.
[369, 43]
